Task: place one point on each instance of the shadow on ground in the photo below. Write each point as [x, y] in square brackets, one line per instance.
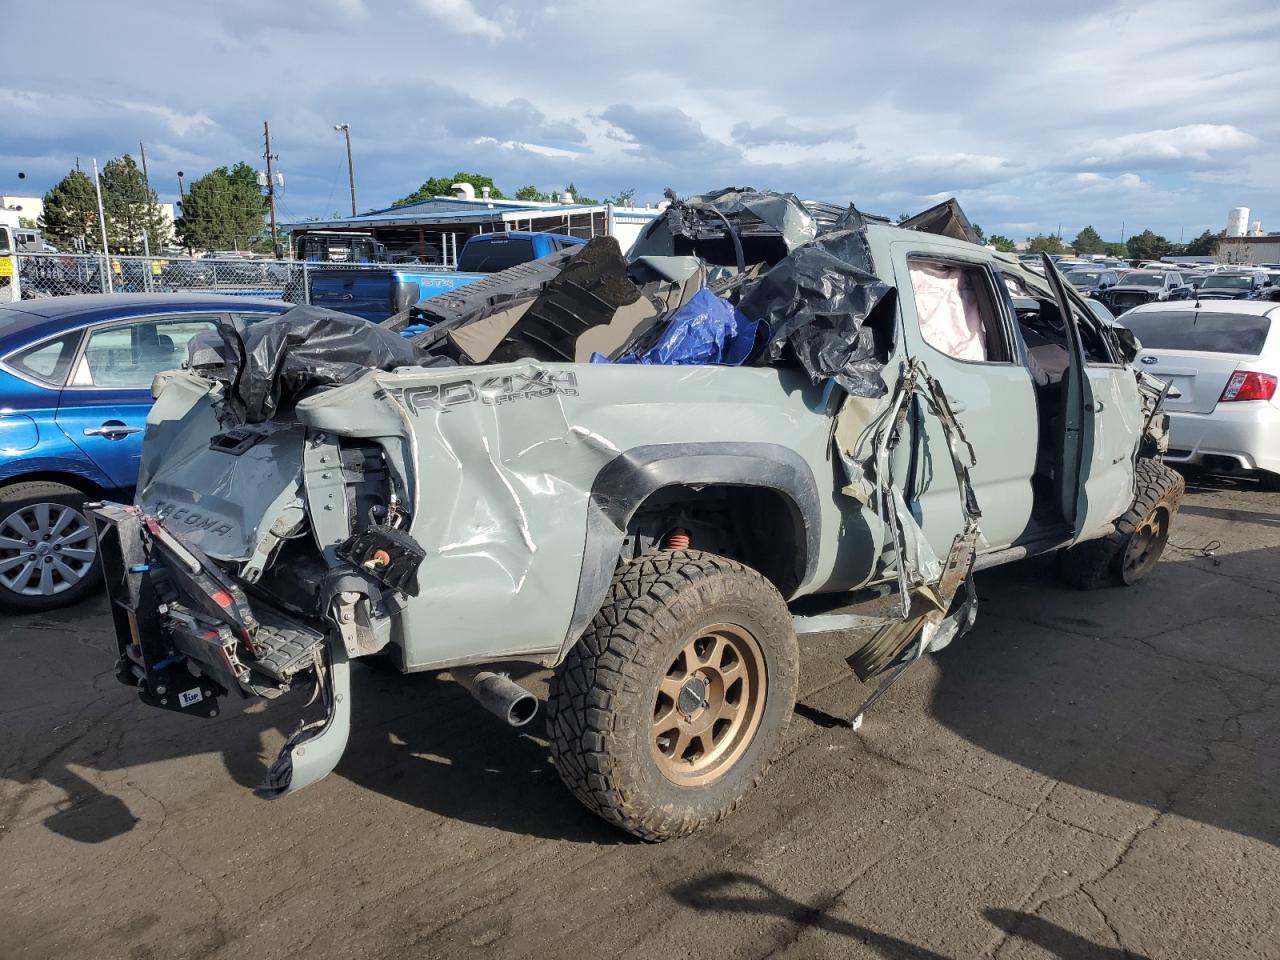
[1166, 694]
[1156, 695]
[418, 739]
[746, 895]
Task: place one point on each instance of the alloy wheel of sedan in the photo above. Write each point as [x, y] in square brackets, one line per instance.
[45, 549]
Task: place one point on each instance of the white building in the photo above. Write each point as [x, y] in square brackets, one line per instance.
[29, 208]
[32, 208]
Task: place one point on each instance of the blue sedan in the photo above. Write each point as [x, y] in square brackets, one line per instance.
[75, 389]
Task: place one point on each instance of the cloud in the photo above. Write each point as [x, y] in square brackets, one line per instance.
[1193, 145]
[516, 120]
[922, 109]
[1097, 183]
[461, 16]
[666, 134]
[781, 131]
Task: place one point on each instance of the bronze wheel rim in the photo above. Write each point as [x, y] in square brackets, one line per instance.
[708, 705]
[1146, 544]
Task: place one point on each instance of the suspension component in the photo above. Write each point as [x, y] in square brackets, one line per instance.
[676, 539]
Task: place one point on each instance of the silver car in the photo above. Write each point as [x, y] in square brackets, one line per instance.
[1223, 362]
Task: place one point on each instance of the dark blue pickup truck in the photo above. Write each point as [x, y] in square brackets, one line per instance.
[377, 293]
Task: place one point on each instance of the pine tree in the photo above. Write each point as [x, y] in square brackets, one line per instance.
[132, 209]
[70, 217]
[223, 210]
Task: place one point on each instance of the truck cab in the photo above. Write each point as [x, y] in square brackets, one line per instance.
[491, 252]
[339, 247]
[376, 294]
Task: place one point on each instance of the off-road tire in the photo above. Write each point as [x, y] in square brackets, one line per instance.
[602, 698]
[1101, 563]
[14, 497]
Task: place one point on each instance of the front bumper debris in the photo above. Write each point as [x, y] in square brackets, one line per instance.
[187, 635]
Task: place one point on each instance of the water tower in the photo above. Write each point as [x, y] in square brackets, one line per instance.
[1237, 221]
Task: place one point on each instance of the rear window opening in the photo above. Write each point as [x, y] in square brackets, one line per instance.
[1200, 331]
[490, 256]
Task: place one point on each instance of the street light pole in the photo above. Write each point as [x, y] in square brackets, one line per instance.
[345, 128]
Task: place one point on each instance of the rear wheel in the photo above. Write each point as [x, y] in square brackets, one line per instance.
[673, 704]
[48, 550]
[1131, 550]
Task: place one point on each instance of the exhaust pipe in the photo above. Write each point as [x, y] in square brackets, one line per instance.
[498, 694]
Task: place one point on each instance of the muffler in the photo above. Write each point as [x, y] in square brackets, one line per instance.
[498, 694]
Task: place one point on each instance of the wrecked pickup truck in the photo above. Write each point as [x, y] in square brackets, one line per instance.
[650, 473]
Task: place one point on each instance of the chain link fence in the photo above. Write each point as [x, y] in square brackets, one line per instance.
[64, 274]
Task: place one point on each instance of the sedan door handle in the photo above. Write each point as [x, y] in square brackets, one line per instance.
[111, 431]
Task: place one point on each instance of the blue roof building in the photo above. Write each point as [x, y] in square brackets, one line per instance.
[434, 230]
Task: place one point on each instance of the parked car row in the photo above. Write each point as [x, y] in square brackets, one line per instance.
[75, 390]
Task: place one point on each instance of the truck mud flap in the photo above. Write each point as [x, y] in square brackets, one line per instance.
[312, 752]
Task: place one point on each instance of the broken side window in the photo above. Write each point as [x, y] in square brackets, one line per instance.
[958, 311]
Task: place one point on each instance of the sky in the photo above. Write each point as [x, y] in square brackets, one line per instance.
[1038, 117]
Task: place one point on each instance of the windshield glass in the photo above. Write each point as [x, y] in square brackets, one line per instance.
[1226, 283]
[1144, 279]
[1201, 331]
[1084, 278]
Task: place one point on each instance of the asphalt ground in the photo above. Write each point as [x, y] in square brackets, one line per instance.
[1084, 775]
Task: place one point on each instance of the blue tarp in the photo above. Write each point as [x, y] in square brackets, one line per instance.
[706, 330]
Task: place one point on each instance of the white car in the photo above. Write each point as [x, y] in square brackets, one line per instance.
[1223, 364]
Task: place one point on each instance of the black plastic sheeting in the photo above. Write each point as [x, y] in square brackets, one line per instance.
[816, 302]
[276, 362]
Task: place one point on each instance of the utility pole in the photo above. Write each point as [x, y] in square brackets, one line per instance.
[102, 222]
[146, 210]
[271, 185]
[345, 128]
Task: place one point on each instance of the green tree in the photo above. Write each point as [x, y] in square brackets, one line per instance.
[623, 198]
[1045, 243]
[532, 193]
[982, 237]
[132, 209]
[224, 209]
[1087, 242]
[1116, 250]
[70, 217]
[1001, 243]
[1205, 245]
[1148, 246]
[28, 223]
[441, 187]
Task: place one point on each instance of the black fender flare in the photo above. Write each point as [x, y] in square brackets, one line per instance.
[624, 483]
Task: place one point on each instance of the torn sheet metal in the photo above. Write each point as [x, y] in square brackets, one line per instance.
[816, 301]
[927, 585]
[276, 361]
[945, 219]
[721, 226]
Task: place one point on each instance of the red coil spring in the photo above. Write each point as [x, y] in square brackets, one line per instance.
[677, 539]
